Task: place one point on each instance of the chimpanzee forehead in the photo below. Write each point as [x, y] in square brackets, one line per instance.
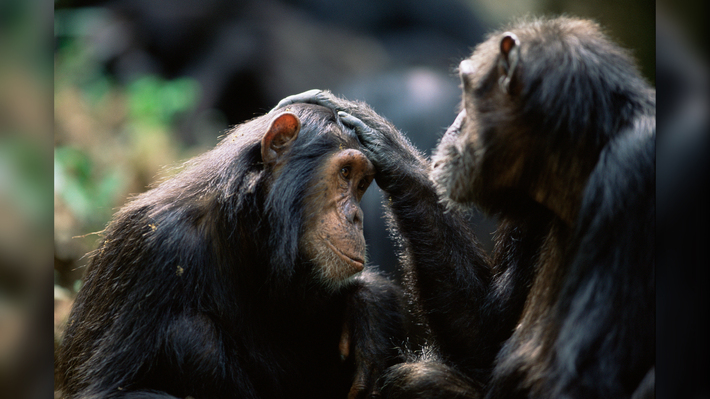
[349, 136]
[338, 136]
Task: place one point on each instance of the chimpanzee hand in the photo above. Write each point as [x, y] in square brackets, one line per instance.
[390, 152]
[314, 96]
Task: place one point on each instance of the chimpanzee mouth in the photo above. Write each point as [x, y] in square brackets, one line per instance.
[356, 262]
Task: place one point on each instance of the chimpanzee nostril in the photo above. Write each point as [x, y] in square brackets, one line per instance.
[354, 214]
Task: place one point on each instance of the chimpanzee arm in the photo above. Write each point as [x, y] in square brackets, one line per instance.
[448, 271]
[373, 333]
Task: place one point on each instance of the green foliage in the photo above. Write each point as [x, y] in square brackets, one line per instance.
[111, 138]
[155, 101]
[89, 195]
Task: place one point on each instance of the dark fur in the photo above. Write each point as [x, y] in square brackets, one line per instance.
[581, 123]
[198, 287]
[565, 307]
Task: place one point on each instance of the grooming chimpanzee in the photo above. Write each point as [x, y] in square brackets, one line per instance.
[242, 276]
[556, 137]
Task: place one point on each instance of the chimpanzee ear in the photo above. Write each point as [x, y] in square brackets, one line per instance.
[509, 59]
[282, 132]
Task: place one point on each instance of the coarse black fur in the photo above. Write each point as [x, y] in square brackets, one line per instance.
[565, 152]
[198, 287]
[556, 138]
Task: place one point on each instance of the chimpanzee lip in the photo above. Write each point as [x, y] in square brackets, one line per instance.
[357, 263]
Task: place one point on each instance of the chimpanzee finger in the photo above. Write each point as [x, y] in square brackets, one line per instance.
[314, 96]
[365, 133]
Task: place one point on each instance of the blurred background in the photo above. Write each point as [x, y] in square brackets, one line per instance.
[118, 90]
[140, 85]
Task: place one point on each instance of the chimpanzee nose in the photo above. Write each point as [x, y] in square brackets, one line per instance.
[354, 214]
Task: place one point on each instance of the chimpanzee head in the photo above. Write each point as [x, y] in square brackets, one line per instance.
[540, 100]
[318, 177]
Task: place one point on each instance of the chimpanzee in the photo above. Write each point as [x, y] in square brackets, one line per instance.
[241, 276]
[556, 137]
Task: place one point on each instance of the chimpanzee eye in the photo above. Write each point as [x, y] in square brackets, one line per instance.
[345, 172]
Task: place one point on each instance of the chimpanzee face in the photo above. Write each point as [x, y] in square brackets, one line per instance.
[332, 236]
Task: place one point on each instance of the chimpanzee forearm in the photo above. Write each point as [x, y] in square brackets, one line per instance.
[447, 268]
